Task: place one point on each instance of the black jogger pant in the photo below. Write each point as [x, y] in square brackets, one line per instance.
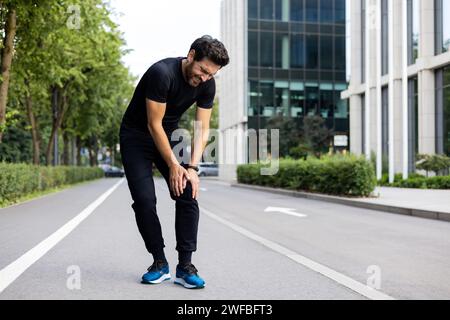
[139, 152]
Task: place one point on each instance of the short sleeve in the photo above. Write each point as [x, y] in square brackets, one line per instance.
[158, 83]
[206, 98]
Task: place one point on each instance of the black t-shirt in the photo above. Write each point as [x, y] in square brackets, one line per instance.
[164, 82]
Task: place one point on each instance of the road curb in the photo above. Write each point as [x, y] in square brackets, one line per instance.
[427, 214]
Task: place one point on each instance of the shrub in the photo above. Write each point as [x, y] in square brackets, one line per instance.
[338, 175]
[18, 180]
[435, 163]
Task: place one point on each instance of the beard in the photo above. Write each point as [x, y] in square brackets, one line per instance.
[192, 79]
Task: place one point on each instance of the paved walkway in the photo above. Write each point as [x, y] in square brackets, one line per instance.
[424, 199]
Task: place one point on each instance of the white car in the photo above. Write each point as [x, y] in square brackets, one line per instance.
[208, 169]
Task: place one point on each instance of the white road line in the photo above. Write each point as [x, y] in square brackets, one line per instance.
[15, 269]
[308, 263]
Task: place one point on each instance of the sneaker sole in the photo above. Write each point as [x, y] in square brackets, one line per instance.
[181, 282]
[157, 281]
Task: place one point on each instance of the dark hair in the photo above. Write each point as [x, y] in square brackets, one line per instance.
[213, 49]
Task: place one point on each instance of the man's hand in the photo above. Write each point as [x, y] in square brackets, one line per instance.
[194, 182]
[178, 178]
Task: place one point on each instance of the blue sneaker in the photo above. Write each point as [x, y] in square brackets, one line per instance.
[157, 273]
[188, 277]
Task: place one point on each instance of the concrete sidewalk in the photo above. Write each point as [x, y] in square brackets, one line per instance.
[430, 204]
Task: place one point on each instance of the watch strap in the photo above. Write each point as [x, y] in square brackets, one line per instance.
[188, 166]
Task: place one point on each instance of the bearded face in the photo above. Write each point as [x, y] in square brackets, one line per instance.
[197, 72]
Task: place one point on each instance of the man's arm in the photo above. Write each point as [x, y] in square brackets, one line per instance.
[201, 135]
[155, 114]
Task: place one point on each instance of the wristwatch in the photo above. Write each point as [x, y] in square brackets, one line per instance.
[188, 166]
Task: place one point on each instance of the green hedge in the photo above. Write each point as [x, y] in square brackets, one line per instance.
[417, 181]
[337, 175]
[18, 180]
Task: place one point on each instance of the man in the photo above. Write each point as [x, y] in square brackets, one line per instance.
[165, 92]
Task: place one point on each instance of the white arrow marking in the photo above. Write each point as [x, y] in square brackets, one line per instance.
[203, 189]
[288, 211]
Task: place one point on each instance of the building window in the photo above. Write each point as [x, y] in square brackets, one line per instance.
[282, 51]
[413, 127]
[384, 37]
[326, 100]
[253, 97]
[252, 9]
[363, 123]
[341, 111]
[282, 97]
[312, 98]
[442, 25]
[253, 49]
[282, 10]
[363, 41]
[266, 100]
[339, 11]
[443, 111]
[296, 10]
[326, 11]
[266, 9]
[297, 51]
[312, 51]
[326, 52]
[297, 99]
[266, 50]
[339, 53]
[311, 10]
[413, 30]
[385, 126]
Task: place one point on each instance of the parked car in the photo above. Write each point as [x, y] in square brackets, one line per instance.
[111, 171]
[208, 169]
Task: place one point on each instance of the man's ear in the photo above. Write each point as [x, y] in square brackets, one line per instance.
[191, 55]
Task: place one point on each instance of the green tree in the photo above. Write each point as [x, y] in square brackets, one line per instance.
[315, 134]
[67, 81]
[8, 14]
[289, 133]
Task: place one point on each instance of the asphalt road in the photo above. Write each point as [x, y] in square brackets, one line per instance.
[83, 243]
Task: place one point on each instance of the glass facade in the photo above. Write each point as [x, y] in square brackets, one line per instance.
[443, 111]
[384, 37]
[442, 25]
[363, 41]
[296, 61]
[413, 30]
[385, 126]
[363, 123]
[413, 120]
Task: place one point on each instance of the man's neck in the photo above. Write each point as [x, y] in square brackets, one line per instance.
[183, 68]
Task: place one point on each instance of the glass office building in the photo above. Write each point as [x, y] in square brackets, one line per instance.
[296, 64]
[287, 58]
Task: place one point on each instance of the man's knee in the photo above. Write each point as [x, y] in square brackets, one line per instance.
[186, 196]
[144, 198]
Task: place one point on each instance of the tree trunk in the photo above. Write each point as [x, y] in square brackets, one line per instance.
[73, 144]
[59, 102]
[54, 97]
[34, 130]
[7, 55]
[65, 158]
[73, 152]
[78, 143]
[113, 156]
[93, 151]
